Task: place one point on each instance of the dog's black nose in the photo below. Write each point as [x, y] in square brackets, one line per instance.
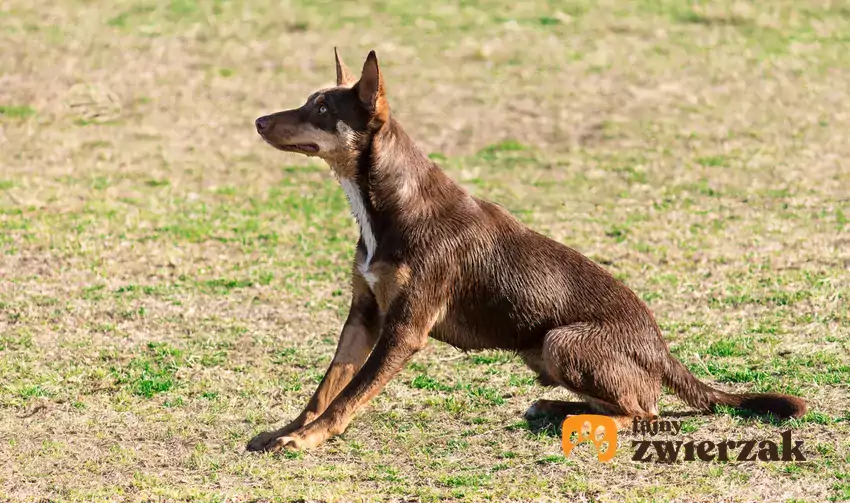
[262, 124]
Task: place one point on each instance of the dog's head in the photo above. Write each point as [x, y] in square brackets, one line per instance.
[334, 124]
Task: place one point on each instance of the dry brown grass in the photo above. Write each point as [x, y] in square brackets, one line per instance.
[169, 285]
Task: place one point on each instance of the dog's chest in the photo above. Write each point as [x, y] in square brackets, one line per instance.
[358, 209]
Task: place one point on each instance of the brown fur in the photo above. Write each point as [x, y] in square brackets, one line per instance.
[466, 272]
[391, 282]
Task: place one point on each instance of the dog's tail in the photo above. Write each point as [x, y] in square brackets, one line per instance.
[703, 397]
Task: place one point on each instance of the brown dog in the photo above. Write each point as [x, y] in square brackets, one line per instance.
[434, 260]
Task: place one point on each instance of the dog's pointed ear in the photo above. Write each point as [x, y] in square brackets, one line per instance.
[370, 89]
[343, 76]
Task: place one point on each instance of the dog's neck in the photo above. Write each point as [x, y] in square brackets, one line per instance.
[393, 186]
[397, 172]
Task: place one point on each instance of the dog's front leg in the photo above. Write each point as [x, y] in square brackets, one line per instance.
[405, 331]
[358, 337]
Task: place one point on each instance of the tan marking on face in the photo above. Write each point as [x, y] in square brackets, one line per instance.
[343, 160]
[337, 149]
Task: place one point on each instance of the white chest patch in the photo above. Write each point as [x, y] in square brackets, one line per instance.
[358, 209]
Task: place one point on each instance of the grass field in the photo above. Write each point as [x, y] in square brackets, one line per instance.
[170, 285]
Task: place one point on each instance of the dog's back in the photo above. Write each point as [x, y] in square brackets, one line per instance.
[506, 286]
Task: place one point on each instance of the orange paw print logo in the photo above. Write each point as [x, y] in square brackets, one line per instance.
[587, 428]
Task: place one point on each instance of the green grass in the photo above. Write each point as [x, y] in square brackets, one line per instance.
[16, 111]
[172, 286]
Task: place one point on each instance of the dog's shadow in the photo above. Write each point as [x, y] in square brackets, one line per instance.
[545, 426]
[550, 425]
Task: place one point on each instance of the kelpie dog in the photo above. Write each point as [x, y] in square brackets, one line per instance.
[434, 260]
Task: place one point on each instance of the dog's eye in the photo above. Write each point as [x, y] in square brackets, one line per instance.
[323, 109]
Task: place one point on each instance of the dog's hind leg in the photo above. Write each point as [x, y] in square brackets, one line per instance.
[533, 358]
[591, 360]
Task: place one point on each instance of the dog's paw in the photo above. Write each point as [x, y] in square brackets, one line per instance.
[272, 441]
[536, 410]
[264, 442]
[289, 444]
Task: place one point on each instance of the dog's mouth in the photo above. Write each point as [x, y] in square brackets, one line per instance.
[302, 148]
